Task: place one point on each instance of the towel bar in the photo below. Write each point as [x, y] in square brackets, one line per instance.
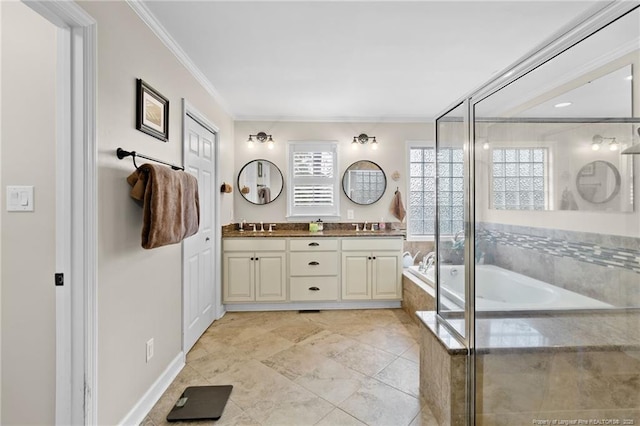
[121, 153]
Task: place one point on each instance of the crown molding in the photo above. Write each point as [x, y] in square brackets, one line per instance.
[158, 29]
[335, 119]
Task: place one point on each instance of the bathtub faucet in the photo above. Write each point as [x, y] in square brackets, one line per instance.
[428, 260]
[459, 235]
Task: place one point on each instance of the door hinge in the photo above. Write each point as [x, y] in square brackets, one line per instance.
[59, 279]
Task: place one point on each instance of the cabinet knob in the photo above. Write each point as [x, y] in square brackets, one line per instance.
[374, 258]
[369, 258]
[256, 258]
[314, 263]
[314, 288]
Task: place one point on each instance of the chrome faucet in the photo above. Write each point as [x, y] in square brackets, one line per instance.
[428, 260]
[459, 235]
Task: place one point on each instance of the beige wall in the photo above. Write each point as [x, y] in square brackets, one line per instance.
[139, 291]
[28, 238]
[390, 156]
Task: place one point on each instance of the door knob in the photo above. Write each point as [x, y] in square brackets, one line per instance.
[207, 239]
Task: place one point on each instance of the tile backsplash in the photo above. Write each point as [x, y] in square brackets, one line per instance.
[604, 267]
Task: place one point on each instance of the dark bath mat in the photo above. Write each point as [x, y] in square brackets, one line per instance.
[200, 403]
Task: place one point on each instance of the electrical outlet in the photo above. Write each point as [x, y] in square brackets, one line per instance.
[149, 349]
[349, 214]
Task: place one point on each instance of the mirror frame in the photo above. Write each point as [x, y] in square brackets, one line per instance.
[240, 189]
[616, 174]
[344, 175]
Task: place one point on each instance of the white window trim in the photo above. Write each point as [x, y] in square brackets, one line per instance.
[408, 145]
[335, 214]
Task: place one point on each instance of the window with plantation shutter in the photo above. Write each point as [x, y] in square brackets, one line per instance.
[313, 189]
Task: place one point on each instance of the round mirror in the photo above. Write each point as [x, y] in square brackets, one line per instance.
[260, 181]
[364, 182]
[598, 182]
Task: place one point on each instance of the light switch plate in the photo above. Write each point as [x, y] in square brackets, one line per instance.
[19, 198]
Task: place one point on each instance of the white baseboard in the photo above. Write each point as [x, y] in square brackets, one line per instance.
[149, 399]
[293, 306]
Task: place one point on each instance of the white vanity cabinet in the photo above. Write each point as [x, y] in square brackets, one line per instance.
[314, 265]
[371, 268]
[254, 270]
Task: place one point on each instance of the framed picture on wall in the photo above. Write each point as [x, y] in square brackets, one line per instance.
[152, 111]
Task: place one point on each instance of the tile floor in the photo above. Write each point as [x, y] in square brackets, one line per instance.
[343, 367]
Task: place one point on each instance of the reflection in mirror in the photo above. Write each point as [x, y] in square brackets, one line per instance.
[364, 182]
[534, 152]
[260, 182]
[598, 182]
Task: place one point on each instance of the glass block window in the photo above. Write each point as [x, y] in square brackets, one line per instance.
[422, 191]
[365, 186]
[313, 189]
[519, 178]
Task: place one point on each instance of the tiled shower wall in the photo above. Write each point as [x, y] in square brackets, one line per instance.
[604, 267]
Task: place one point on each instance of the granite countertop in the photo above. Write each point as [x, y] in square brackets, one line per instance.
[604, 330]
[301, 233]
[283, 230]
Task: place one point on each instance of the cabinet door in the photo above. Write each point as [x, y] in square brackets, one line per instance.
[238, 277]
[356, 271]
[271, 276]
[385, 278]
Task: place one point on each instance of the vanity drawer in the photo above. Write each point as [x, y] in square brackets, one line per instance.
[254, 244]
[369, 244]
[320, 263]
[313, 244]
[314, 288]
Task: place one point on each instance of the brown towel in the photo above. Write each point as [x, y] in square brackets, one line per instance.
[397, 209]
[170, 204]
[264, 195]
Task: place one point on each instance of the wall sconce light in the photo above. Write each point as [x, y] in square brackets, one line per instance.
[261, 137]
[597, 140]
[362, 139]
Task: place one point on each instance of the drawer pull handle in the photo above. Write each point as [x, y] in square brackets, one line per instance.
[314, 288]
[314, 263]
[314, 244]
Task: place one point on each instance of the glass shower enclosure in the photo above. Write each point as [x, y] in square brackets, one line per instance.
[540, 281]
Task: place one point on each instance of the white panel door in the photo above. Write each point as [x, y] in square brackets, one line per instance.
[270, 270]
[238, 277]
[198, 250]
[356, 275]
[386, 275]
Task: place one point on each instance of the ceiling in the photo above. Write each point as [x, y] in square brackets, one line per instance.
[355, 61]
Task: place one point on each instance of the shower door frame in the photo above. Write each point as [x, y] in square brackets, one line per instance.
[573, 33]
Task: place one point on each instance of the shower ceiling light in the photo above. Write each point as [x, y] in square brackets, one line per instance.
[562, 104]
